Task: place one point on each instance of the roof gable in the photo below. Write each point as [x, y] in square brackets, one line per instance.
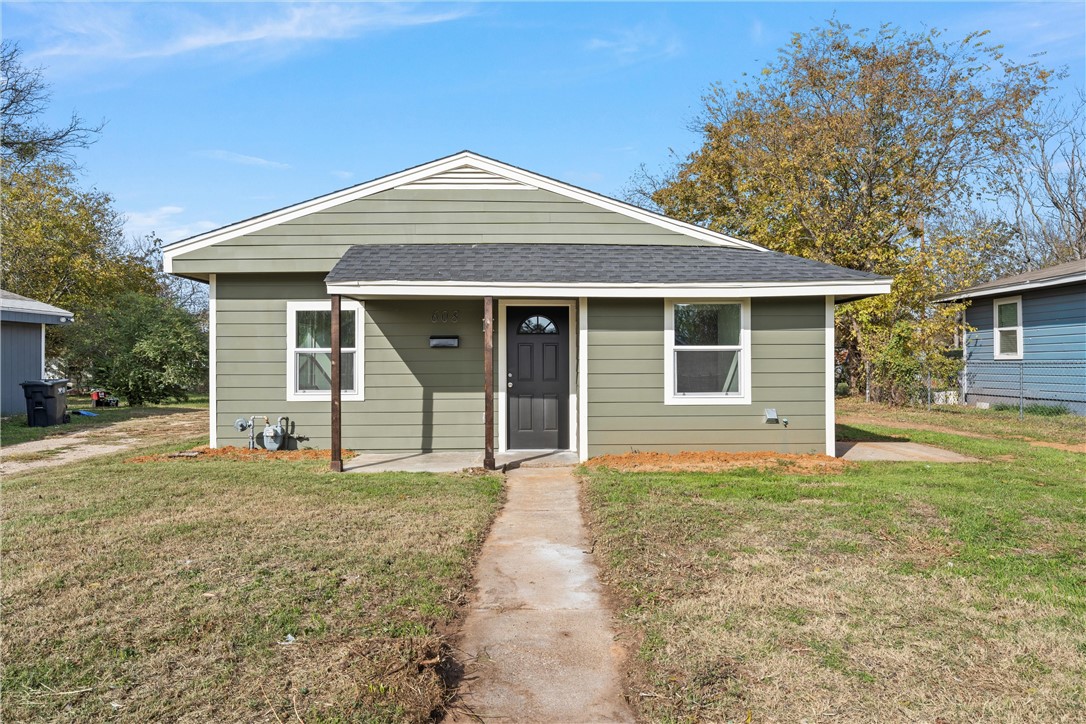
[462, 171]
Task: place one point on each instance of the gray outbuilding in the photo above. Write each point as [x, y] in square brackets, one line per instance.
[22, 345]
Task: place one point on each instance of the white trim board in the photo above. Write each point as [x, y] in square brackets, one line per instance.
[414, 176]
[831, 366]
[582, 379]
[502, 349]
[213, 357]
[623, 291]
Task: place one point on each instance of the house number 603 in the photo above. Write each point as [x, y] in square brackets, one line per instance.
[445, 316]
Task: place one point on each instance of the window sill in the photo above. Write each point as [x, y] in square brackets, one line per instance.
[323, 397]
[707, 400]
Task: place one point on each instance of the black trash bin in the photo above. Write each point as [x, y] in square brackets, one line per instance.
[46, 402]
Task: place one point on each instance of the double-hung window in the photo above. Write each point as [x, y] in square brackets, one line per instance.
[1007, 330]
[707, 352]
[309, 350]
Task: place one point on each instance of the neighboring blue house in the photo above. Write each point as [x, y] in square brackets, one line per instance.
[1028, 338]
[22, 345]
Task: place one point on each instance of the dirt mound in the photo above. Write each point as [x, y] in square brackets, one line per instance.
[237, 453]
[712, 461]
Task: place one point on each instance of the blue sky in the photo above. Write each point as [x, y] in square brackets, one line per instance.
[217, 112]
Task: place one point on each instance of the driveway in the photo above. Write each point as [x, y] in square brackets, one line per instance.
[63, 449]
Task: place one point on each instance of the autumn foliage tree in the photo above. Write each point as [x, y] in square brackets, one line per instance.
[65, 245]
[848, 149]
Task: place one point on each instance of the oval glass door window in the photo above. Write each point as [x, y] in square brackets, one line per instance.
[537, 324]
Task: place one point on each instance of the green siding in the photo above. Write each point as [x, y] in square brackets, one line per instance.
[626, 409]
[315, 242]
[416, 398]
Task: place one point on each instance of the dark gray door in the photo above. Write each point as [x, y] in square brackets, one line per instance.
[538, 378]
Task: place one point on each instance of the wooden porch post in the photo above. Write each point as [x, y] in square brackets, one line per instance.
[337, 392]
[488, 382]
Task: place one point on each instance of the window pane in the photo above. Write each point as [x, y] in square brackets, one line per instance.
[708, 371]
[313, 328]
[537, 325]
[1008, 315]
[707, 324]
[315, 371]
[1008, 341]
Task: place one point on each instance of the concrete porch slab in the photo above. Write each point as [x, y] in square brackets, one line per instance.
[453, 462]
[899, 451]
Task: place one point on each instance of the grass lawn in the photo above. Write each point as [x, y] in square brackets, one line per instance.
[1066, 429]
[210, 590]
[14, 430]
[889, 591]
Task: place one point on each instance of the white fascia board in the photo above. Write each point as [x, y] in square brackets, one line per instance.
[1024, 286]
[433, 168]
[623, 291]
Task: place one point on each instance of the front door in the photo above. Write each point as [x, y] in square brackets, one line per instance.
[537, 382]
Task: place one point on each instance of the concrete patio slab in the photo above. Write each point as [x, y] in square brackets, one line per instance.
[453, 462]
[899, 451]
[538, 633]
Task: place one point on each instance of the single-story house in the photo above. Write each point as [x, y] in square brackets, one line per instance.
[1026, 338]
[22, 345]
[480, 301]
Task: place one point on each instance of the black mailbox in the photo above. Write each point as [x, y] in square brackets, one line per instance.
[439, 341]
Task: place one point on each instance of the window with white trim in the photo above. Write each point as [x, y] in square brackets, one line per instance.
[707, 352]
[309, 350]
[1007, 328]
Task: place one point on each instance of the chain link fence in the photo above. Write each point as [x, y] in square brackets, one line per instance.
[1022, 384]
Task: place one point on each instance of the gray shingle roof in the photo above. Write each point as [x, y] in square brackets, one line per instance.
[17, 308]
[579, 264]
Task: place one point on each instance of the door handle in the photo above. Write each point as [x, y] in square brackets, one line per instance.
[508, 384]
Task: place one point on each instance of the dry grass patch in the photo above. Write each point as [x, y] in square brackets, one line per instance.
[884, 591]
[225, 591]
[230, 452]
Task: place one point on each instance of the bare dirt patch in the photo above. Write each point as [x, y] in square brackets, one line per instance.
[1077, 448]
[710, 461]
[61, 450]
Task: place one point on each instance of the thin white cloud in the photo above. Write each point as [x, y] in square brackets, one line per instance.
[635, 44]
[240, 158]
[137, 31]
[166, 222]
[1052, 28]
[757, 32]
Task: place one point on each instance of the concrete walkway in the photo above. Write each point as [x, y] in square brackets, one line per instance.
[900, 452]
[538, 635]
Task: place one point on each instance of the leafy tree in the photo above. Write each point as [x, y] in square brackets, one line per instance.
[844, 147]
[24, 95]
[64, 246]
[144, 348]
